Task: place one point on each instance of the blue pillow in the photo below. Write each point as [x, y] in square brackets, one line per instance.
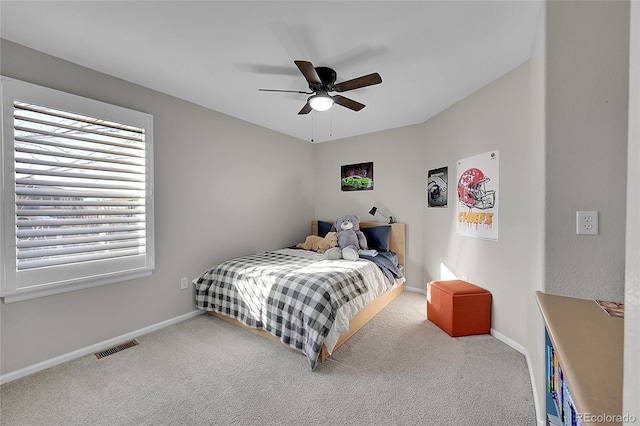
[324, 228]
[378, 237]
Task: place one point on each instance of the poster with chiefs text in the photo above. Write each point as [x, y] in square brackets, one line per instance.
[477, 181]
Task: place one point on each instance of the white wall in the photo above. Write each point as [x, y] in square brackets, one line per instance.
[535, 340]
[498, 116]
[587, 55]
[223, 188]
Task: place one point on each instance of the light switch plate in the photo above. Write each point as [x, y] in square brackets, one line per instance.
[587, 222]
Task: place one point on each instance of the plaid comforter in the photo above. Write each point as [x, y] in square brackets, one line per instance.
[293, 298]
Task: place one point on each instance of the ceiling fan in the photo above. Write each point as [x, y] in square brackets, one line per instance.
[322, 80]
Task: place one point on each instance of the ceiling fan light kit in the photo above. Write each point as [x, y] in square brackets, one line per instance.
[322, 80]
[321, 102]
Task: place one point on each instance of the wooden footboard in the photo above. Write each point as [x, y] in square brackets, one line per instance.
[257, 331]
[364, 316]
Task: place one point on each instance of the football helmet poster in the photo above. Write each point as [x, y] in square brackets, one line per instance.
[477, 180]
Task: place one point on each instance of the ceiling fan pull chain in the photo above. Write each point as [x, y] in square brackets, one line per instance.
[331, 123]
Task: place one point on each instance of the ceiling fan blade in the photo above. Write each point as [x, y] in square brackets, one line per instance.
[357, 83]
[305, 109]
[310, 74]
[348, 103]
[286, 91]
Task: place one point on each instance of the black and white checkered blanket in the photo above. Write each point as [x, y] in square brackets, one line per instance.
[293, 298]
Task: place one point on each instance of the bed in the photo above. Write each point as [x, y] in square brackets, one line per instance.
[297, 298]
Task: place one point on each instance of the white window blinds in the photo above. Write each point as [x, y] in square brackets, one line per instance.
[80, 196]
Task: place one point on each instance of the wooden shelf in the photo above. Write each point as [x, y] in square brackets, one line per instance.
[589, 347]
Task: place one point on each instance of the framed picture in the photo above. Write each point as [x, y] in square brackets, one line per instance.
[437, 187]
[357, 177]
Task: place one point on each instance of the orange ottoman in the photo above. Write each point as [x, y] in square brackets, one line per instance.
[459, 308]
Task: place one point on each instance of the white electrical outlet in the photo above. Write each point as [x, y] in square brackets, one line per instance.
[587, 222]
[184, 283]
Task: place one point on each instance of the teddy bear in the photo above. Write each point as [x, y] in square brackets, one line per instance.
[319, 244]
[350, 239]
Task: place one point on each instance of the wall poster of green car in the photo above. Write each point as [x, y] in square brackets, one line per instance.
[357, 177]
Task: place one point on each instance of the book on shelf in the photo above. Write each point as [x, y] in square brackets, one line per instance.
[612, 308]
[559, 392]
[553, 420]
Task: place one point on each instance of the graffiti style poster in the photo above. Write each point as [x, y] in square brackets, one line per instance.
[437, 187]
[356, 177]
[477, 180]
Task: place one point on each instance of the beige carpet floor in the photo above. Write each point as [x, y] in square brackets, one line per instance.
[399, 369]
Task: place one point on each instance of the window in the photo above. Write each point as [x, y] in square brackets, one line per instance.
[76, 196]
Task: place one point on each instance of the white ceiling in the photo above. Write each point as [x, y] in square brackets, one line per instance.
[217, 54]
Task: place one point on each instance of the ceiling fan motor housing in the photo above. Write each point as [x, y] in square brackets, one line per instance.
[328, 77]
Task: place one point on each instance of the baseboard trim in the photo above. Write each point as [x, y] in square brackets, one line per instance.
[507, 341]
[415, 290]
[540, 410]
[23, 372]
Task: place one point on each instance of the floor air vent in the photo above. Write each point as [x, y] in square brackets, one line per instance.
[114, 349]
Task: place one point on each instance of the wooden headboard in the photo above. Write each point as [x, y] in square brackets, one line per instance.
[396, 238]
